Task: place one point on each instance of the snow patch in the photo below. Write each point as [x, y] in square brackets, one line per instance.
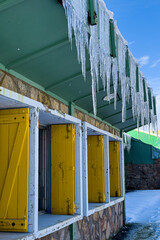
[143, 206]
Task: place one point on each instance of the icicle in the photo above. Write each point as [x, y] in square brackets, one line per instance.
[153, 116]
[141, 99]
[127, 90]
[122, 74]
[101, 63]
[138, 125]
[127, 141]
[76, 12]
[94, 61]
[94, 53]
[104, 48]
[94, 93]
[146, 109]
[115, 80]
[133, 84]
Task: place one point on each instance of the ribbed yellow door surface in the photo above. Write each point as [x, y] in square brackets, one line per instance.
[96, 175]
[14, 161]
[114, 169]
[63, 183]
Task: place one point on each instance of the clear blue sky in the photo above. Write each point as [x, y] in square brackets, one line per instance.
[139, 23]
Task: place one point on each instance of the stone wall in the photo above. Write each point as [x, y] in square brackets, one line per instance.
[100, 226]
[142, 176]
[14, 84]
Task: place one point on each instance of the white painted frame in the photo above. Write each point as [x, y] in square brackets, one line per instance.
[15, 100]
[86, 211]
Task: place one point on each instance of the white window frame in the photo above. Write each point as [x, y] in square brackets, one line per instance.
[108, 202]
[10, 99]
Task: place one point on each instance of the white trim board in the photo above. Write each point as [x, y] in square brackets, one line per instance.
[41, 114]
[10, 99]
[98, 207]
[90, 208]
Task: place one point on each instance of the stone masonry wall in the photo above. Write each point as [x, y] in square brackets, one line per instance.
[142, 176]
[100, 226]
[14, 84]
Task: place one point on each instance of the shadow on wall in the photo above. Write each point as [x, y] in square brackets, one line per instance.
[142, 166]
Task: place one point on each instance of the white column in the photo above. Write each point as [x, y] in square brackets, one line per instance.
[33, 171]
[122, 171]
[106, 167]
[78, 153]
[85, 169]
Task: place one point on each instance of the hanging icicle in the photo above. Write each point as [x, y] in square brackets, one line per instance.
[104, 48]
[76, 12]
[122, 75]
[97, 32]
[127, 141]
[94, 61]
[133, 84]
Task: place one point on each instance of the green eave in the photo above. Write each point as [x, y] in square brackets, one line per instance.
[34, 45]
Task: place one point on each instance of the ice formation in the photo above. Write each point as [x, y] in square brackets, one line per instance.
[127, 141]
[111, 70]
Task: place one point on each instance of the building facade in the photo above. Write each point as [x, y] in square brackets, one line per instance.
[69, 87]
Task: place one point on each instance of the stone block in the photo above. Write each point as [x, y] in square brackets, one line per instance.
[9, 83]
[93, 121]
[54, 104]
[1, 76]
[96, 216]
[80, 115]
[108, 231]
[44, 98]
[23, 88]
[63, 108]
[104, 223]
[34, 93]
[97, 124]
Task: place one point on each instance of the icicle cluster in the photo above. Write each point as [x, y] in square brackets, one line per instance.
[133, 85]
[122, 74]
[127, 141]
[96, 39]
[76, 12]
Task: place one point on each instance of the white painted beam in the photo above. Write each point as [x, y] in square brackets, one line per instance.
[107, 178]
[33, 171]
[84, 169]
[78, 153]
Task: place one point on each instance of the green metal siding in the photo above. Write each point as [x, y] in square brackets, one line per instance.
[144, 137]
[140, 153]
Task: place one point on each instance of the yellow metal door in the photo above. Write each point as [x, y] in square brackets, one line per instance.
[114, 169]
[96, 175]
[14, 161]
[63, 183]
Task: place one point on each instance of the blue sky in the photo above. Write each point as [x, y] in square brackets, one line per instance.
[139, 23]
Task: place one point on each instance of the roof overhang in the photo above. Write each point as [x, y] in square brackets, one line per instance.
[34, 46]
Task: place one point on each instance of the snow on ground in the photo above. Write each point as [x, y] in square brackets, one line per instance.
[143, 216]
[143, 206]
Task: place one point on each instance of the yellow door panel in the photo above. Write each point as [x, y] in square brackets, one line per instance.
[96, 175]
[14, 163]
[63, 183]
[114, 169]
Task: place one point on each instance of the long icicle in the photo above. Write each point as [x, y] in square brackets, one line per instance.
[101, 62]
